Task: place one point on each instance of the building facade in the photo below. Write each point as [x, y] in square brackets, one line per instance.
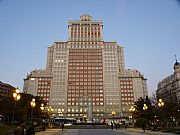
[87, 73]
[169, 88]
[132, 85]
[6, 90]
[38, 83]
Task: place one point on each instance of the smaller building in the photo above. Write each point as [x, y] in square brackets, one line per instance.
[133, 85]
[169, 88]
[38, 83]
[6, 90]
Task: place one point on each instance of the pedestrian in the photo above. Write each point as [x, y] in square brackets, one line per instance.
[20, 129]
[144, 126]
[62, 126]
[111, 125]
[116, 124]
[126, 126]
[119, 125]
[30, 130]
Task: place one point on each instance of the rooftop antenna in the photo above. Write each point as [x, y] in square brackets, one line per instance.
[175, 58]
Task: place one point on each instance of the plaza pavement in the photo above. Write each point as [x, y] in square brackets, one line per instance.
[138, 131]
[129, 131]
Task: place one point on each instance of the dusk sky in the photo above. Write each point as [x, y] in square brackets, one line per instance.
[149, 31]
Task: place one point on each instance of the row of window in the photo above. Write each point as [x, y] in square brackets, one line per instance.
[90, 93]
[59, 83]
[85, 67]
[60, 54]
[95, 82]
[127, 90]
[85, 80]
[127, 103]
[43, 95]
[85, 44]
[85, 50]
[85, 56]
[44, 79]
[86, 60]
[85, 34]
[60, 71]
[129, 99]
[112, 103]
[44, 82]
[61, 46]
[58, 57]
[84, 71]
[110, 50]
[85, 75]
[110, 61]
[126, 82]
[97, 103]
[126, 86]
[42, 91]
[90, 27]
[41, 87]
[81, 90]
[110, 57]
[110, 54]
[84, 102]
[127, 94]
[98, 90]
[60, 60]
[85, 64]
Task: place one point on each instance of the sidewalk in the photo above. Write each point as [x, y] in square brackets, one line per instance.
[50, 132]
[138, 131]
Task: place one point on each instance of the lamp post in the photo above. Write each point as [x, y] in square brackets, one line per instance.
[33, 104]
[132, 110]
[42, 108]
[16, 97]
[50, 110]
[113, 114]
[145, 109]
[161, 104]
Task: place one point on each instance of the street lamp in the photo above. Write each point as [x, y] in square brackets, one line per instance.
[42, 107]
[145, 107]
[161, 104]
[50, 110]
[33, 104]
[132, 110]
[16, 97]
[113, 114]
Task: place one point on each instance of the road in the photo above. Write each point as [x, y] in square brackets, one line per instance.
[99, 132]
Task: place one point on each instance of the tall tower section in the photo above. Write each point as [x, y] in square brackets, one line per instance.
[85, 71]
[85, 29]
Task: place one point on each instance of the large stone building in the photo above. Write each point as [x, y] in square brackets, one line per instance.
[169, 88]
[86, 75]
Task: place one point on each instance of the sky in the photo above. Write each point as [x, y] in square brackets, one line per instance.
[149, 31]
